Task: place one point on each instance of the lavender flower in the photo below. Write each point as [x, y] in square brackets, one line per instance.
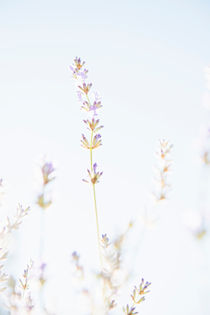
[76, 68]
[42, 270]
[90, 102]
[94, 175]
[93, 124]
[129, 310]
[138, 296]
[47, 171]
[79, 270]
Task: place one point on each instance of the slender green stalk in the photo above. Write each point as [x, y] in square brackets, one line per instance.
[97, 224]
[91, 152]
[95, 203]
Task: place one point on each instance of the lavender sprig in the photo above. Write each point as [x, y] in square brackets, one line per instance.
[163, 168]
[47, 171]
[90, 103]
[137, 297]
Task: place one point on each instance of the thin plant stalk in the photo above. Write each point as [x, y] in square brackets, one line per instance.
[90, 103]
[95, 203]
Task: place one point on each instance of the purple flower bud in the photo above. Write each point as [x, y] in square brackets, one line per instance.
[43, 267]
[79, 94]
[98, 136]
[47, 169]
[94, 167]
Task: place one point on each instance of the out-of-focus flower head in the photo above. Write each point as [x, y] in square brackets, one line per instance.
[42, 202]
[47, 172]
[79, 270]
[162, 169]
[105, 241]
[204, 145]
[20, 300]
[42, 270]
[25, 278]
[44, 198]
[197, 223]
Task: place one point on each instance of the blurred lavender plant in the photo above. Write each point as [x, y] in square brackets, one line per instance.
[138, 297]
[5, 232]
[47, 170]
[162, 185]
[44, 202]
[112, 274]
[198, 221]
[79, 270]
[162, 169]
[19, 300]
[42, 276]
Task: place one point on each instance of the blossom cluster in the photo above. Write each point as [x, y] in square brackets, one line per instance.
[113, 274]
[5, 232]
[138, 296]
[90, 103]
[47, 171]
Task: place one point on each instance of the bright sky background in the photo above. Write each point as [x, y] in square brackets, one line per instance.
[147, 60]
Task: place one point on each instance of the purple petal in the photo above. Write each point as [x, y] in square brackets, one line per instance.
[94, 167]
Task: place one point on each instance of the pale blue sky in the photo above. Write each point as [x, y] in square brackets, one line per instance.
[146, 58]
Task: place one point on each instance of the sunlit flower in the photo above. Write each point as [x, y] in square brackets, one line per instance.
[91, 102]
[138, 296]
[94, 175]
[93, 124]
[47, 171]
[85, 88]
[96, 142]
[77, 68]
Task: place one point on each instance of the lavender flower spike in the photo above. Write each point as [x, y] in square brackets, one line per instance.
[90, 103]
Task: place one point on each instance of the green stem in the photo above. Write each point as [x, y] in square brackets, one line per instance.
[97, 225]
[91, 152]
[95, 203]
